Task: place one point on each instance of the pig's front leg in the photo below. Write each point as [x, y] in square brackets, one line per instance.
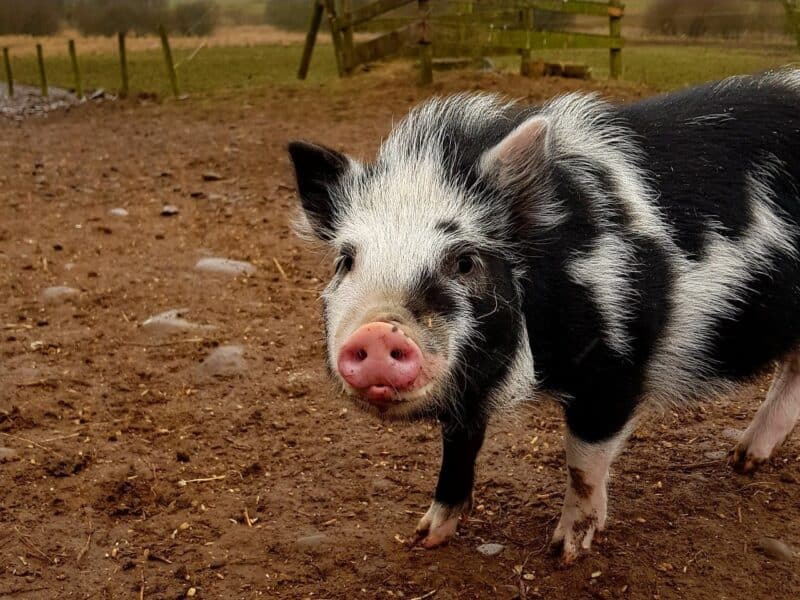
[453, 497]
[586, 499]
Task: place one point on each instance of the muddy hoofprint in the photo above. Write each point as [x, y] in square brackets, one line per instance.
[603, 255]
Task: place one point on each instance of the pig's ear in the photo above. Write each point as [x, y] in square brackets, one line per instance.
[521, 153]
[317, 170]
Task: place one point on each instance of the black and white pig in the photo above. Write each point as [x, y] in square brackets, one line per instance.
[607, 256]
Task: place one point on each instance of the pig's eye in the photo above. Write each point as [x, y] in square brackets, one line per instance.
[344, 264]
[465, 264]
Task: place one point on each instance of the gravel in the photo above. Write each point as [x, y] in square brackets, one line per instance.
[28, 101]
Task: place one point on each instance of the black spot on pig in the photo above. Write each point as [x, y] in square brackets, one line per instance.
[448, 227]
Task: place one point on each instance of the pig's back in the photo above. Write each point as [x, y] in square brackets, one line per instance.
[704, 144]
[724, 161]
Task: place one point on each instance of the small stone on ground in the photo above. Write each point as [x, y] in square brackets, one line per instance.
[58, 293]
[172, 321]
[312, 541]
[716, 455]
[225, 360]
[225, 266]
[7, 454]
[169, 210]
[491, 549]
[118, 212]
[776, 549]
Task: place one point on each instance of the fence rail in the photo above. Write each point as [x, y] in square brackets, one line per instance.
[350, 54]
[471, 27]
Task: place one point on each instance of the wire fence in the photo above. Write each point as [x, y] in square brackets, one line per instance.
[78, 87]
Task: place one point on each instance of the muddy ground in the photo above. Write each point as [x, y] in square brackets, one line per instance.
[130, 471]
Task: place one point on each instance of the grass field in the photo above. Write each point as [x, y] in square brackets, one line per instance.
[214, 69]
[665, 67]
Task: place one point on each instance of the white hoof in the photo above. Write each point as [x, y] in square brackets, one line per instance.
[438, 525]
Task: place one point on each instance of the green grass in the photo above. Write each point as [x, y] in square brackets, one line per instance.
[215, 69]
[670, 67]
[212, 70]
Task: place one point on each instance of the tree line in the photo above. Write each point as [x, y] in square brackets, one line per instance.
[107, 17]
[689, 18]
[725, 18]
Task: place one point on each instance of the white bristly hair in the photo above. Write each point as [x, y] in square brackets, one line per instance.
[710, 290]
[584, 134]
[606, 271]
[391, 210]
[390, 217]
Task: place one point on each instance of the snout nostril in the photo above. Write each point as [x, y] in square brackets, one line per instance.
[397, 354]
[361, 354]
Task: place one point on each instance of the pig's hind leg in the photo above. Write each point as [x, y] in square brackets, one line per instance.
[586, 499]
[775, 419]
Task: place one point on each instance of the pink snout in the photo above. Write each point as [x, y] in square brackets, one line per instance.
[380, 360]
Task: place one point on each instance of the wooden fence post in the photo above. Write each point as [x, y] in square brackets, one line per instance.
[76, 70]
[123, 65]
[463, 9]
[796, 25]
[615, 11]
[525, 59]
[42, 73]
[311, 38]
[424, 43]
[336, 35]
[173, 77]
[469, 35]
[347, 36]
[9, 73]
[793, 18]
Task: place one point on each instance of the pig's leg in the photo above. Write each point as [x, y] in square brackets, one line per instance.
[585, 502]
[775, 419]
[453, 497]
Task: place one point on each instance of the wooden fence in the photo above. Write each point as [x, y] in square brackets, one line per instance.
[343, 20]
[76, 71]
[465, 28]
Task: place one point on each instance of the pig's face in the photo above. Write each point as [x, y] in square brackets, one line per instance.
[423, 313]
[423, 308]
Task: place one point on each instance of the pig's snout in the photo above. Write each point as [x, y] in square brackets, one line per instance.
[379, 360]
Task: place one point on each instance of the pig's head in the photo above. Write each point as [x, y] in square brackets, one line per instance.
[423, 313]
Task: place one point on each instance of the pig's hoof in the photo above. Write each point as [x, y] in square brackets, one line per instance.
[438, 525]
[744, 462]
[572, 538]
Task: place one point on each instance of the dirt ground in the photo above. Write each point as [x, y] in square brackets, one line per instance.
[127, 471]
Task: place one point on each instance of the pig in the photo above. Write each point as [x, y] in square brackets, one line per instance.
[612, 257]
